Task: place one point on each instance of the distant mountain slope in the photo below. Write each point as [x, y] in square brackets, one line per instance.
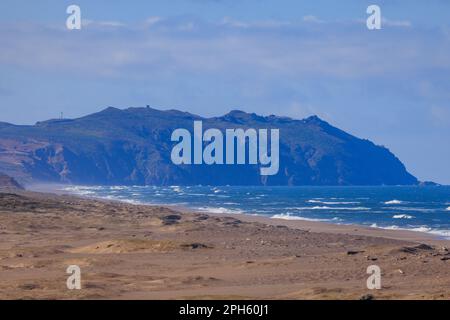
[6, 182]
[133, 147]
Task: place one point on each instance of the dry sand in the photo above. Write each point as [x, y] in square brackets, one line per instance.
[143, 252]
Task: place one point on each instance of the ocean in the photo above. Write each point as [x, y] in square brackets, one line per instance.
[425, 209]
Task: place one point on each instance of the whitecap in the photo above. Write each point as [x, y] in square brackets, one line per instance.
[329, 208]
[443, 233]
[220, 210]
[412, 209]
[425, 229]
[130, 201]
[81, 190]
[339, 208]
[402, 216]
[118, 188]
[291, 217]
[394, 202]
[333, 202]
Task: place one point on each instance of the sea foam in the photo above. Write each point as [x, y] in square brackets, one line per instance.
[442, 233]
[220, 210]
[330, 208]
[284, 216]
[402, 216]
[394, 202]
[333, 202]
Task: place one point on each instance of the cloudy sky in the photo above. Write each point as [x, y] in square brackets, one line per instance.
[285, 57]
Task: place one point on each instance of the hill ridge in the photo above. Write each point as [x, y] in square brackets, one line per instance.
[133, 145]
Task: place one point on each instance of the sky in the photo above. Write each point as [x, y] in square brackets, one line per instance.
[285, 57]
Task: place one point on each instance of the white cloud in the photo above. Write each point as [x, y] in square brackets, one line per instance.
[227, 21]
[396, 23]
[440, 115]
[313, 19]
[385, 22]
[262, 24]
[151, 21]
[108, 24]
[299, 110]
[283, 49]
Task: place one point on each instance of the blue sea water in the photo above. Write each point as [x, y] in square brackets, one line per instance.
[425, 209]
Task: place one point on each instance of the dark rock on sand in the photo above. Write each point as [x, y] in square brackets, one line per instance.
[416, 249]
[352, 253]
[195, 246]
[367, 297]
[171, 219]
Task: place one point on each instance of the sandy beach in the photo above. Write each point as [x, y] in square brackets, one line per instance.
[130, 251]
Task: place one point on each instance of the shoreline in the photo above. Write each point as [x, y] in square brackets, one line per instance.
[320, 226]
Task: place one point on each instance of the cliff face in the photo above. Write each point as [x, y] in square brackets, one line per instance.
[133, 147]
[6, 182]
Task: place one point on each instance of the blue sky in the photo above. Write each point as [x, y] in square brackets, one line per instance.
[291, 57]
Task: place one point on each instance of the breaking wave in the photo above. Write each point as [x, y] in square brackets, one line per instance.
[333, 202]
[220, 210]
[394, 202]
[402, 216]
[287, 216]
[442, 233]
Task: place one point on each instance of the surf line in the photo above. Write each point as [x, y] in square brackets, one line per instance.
[237, 142]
